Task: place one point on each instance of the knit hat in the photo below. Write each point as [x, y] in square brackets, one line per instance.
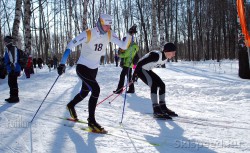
[169, 47]
[8, 39]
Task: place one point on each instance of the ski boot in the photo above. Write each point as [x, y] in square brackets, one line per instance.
[166, 110]
[72, 112]
[159, 114]
[131, 91]
[12, 100]
[118, 91]
[95, 127]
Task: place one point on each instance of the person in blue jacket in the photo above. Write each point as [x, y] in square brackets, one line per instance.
[11, 57]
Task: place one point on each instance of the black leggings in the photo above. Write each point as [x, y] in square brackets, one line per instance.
[152, 80]
[12, 82]
[126, 71]
[89, 83]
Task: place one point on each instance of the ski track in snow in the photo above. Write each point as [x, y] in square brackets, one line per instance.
[213, 104]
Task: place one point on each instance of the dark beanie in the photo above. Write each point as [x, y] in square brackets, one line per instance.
[8, 39]
[169, 47]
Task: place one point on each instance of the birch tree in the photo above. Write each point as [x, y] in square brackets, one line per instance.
[27, 33]
[161, 23]
[16, 23]
[154, 30]
[85, 15]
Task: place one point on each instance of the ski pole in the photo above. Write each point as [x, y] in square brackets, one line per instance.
[109, 96]
[44, 99]
[105, 99]
[119, 93]
[128, 79]
[124, 103]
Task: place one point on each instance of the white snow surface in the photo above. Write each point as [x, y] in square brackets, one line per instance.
[212, 102]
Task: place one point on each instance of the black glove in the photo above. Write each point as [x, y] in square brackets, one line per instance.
[134, 77]
[132, 30]
[61, 69]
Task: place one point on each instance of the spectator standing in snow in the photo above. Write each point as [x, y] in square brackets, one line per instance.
[116, 59]
[28, 68]
[40, 62]
[11, 57]
[34, 62]
[55, 62]
[144, 72]
[94, 42]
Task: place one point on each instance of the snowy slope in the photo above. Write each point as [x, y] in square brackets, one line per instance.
[213, 104]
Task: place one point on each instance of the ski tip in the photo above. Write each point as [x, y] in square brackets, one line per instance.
[154, 144]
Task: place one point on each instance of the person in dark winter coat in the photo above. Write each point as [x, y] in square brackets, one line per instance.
[55, 62]
[11, 57]
[40, 62]
[34, 62]
[144, 72]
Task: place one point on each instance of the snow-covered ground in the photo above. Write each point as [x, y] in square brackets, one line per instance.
[212, 101]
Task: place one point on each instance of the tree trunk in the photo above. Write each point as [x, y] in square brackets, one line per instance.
[1, 39]
[85, 15]
[40, 51]
[189, 25]
[176, 28]
[27, 18]
[35, 54]
[143, 26]
[16, 23]
[111, 56]
[161, 23]
[154, 26]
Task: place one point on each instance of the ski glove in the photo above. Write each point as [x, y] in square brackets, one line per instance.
[134, 77]
[61, 69]
[132, 30]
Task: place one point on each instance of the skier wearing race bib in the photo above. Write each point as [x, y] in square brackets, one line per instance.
[94, 42]
[144, 72]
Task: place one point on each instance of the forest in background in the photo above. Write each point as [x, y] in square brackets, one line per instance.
[201, 29]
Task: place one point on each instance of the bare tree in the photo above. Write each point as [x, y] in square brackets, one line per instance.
[143, 24]
[16, 23]
[154, 29]
[1, 39]
[27, 33]
[161, 22]
[40, 51]
[7, 17]
[85, 15]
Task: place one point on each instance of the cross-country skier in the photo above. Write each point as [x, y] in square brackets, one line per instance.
[94, 42]
[144, 72]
